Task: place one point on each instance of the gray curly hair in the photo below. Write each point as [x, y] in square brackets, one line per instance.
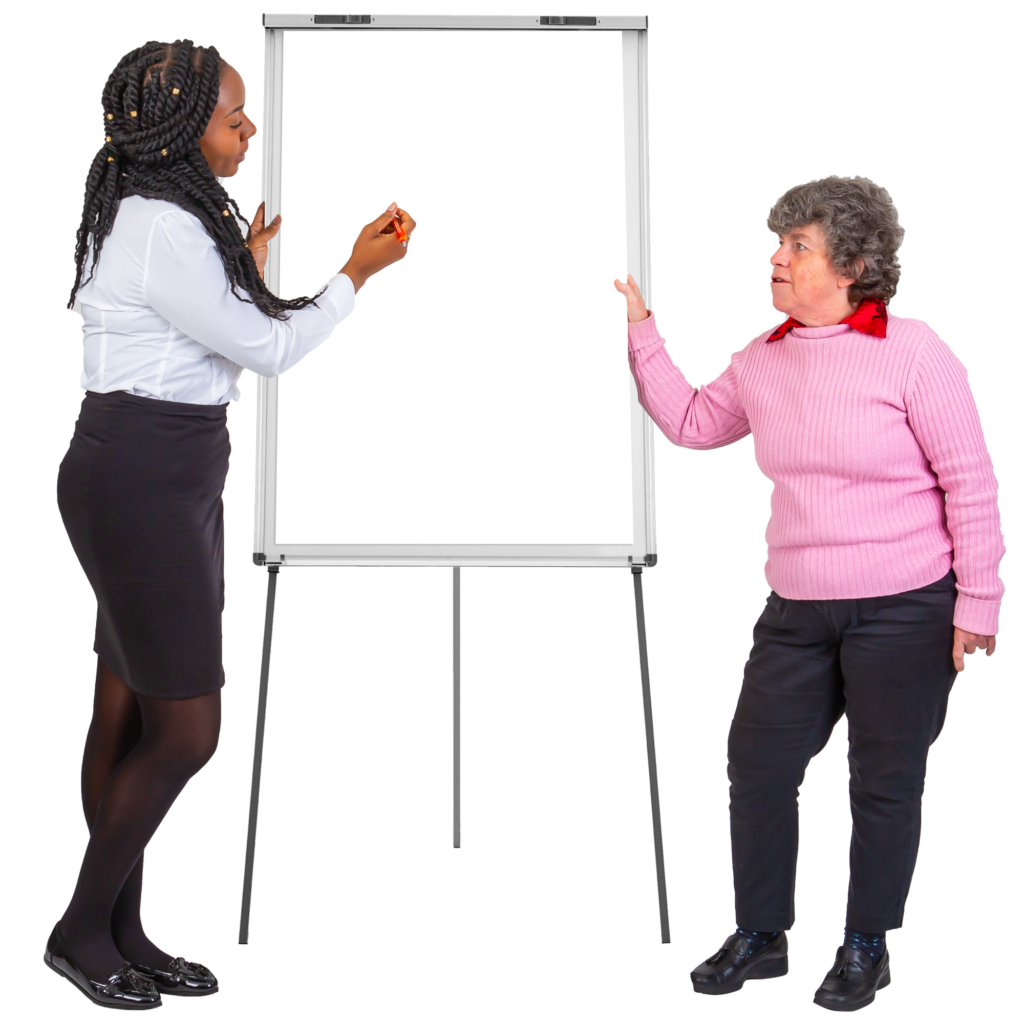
[859, 222]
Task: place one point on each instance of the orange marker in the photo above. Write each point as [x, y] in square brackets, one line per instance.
[399, 230]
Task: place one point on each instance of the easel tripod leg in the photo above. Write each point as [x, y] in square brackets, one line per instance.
[652, 767]
[257, 757]
[456, 710]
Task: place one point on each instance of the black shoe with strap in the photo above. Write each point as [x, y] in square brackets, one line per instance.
[853, 980]
[734, 964]
[124, 989]
[180, 977]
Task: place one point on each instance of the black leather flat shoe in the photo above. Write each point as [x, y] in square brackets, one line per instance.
[124, 989]
[734, 964]
[180, 978]
[853, 980]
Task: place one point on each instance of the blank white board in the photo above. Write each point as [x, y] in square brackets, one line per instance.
[479, 394]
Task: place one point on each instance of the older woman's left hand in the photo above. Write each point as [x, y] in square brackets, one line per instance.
[258, 236]
[968, 643]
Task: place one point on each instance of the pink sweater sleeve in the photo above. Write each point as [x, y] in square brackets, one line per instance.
[942, 414]
[708, 417]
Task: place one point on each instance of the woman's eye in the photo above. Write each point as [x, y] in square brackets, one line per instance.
[239, 125]
[800, 245]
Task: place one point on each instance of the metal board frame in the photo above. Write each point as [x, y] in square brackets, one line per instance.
[643, 550]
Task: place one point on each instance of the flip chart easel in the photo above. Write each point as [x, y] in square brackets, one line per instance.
[507, 432]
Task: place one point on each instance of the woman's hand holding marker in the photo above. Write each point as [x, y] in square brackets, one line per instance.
[384, 242]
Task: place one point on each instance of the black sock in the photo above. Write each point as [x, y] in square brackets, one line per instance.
[872, 943]
[757, 940]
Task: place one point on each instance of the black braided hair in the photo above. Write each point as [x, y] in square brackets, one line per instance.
[157, 104]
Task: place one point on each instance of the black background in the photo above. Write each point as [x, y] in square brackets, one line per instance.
[352, 867]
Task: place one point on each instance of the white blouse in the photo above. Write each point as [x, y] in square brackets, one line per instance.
[159, 318]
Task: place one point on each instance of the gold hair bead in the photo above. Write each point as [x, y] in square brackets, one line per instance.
[110, 117]
[110, 159]
[134, 112]
[225, 212]
[109, 138]
[174, 92]
[163, 152]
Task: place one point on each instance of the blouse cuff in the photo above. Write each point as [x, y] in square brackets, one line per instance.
[976, 615]
[644, 333]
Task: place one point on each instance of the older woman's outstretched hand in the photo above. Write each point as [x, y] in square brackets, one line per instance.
[636, 310]
[968, 643]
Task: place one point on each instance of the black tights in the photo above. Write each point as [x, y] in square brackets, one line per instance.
[139, 753]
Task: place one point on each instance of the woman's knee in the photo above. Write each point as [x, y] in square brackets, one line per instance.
[209, 740]
[187, 731]
[205, 733]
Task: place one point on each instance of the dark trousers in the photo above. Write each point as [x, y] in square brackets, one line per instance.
[887, 662]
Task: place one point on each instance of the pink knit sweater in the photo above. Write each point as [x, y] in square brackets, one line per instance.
[882, 479]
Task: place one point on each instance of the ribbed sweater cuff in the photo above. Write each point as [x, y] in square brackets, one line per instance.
[976, 616]
[645, 333]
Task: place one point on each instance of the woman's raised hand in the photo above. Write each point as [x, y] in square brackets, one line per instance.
[378, 246]
[259, 235]
[635, 308]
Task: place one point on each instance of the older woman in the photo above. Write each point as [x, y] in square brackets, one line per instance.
[883, 555]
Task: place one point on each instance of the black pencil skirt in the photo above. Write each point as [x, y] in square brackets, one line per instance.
[140, 495]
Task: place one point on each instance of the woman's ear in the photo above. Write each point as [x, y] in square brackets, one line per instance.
[845, 282]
